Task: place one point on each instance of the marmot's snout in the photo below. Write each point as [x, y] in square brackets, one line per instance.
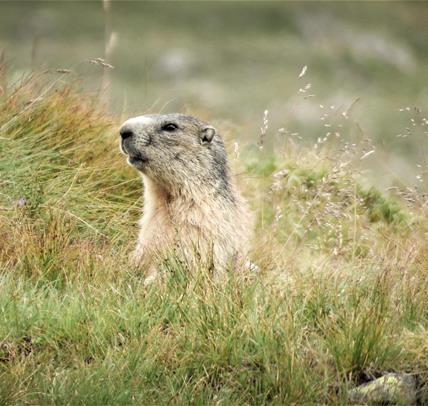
[126, 136]
[126, 133]
[137, 127]
[134, 134]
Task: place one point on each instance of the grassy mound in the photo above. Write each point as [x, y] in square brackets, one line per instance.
[341, 294]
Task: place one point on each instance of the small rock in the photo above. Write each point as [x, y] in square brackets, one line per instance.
[21, 202]
[392, 388]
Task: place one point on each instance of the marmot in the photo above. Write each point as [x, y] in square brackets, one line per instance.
[191, 204]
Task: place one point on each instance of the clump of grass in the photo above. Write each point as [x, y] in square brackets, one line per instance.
[340, 294]
[381, 209]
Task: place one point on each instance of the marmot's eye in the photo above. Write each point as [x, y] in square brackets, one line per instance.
[170, 127]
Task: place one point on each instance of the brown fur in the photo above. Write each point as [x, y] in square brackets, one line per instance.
[191, 206]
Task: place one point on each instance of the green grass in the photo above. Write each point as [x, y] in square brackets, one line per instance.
[341, 292]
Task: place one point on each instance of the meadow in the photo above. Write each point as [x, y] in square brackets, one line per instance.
[323, 111]
[340, 297]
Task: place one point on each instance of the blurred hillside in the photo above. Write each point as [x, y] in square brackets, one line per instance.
[365, 82]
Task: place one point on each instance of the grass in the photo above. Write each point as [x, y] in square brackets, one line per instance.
[341, 294]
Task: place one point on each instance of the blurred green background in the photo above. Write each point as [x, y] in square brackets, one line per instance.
[365, 81]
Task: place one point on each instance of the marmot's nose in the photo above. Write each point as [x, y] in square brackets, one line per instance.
[126, 132]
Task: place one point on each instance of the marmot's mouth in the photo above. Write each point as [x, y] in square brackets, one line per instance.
[137, 160]
[133, 159]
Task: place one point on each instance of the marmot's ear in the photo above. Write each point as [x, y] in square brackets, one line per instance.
[207, 134]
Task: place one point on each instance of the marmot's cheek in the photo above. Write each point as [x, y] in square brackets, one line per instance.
[144, 140]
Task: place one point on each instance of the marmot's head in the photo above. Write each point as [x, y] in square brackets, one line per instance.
[176, 151]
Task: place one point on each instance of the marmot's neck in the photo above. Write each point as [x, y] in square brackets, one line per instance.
[157, 195]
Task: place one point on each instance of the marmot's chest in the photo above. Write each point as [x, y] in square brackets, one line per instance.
[182, 222]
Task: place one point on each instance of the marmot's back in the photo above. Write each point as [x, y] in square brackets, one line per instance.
[190, 199]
